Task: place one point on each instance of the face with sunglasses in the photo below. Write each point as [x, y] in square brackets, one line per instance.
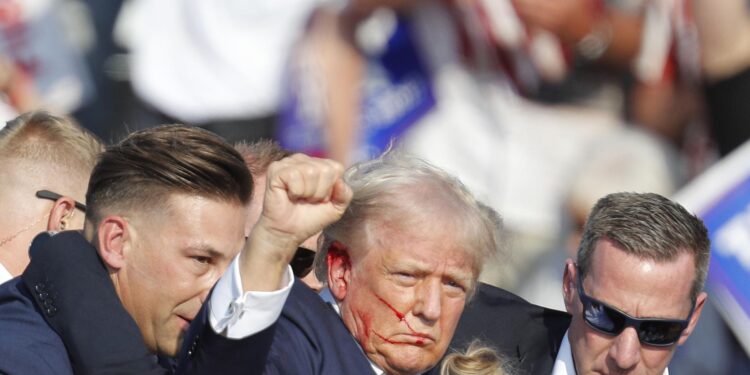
[629, 314]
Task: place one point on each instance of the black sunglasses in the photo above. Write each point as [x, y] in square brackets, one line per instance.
[609, 320]
[46, 194]
[302, 262]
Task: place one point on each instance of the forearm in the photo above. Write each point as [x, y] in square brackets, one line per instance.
[724, 31]
[264, 260]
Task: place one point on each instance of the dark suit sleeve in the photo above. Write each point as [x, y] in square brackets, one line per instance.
[206, 352]
[72, 288]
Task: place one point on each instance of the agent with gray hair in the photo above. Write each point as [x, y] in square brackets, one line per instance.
[636, 290]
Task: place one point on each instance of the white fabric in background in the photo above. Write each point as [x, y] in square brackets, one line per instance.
[202, 60]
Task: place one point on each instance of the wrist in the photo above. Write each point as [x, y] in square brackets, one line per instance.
[265, 259]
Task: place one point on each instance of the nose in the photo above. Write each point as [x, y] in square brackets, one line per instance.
[625, 352]
[428, 300]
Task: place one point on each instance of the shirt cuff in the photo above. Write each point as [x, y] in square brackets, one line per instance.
[236, 314]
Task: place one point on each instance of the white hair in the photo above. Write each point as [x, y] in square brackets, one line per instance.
[400, 187]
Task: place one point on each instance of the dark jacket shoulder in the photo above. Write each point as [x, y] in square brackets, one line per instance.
[27, 344]
[311, 338]
[526, 334]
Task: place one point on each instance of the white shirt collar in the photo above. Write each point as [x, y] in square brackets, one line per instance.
[564, 360]
[4, 274]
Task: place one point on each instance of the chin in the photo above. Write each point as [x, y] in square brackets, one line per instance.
[412, 363]
[171, 350]
[171, 347]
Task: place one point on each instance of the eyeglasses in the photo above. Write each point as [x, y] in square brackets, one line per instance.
[46, 194]
[302, 262]
[609, 320]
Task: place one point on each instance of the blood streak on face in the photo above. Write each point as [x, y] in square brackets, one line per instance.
[401, 317]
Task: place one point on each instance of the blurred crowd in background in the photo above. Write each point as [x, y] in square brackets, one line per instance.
[540, 106]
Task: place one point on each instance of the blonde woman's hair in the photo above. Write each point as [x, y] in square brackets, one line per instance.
[478, 359]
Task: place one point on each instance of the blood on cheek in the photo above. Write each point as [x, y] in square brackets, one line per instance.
[402, 318]
[337, 253]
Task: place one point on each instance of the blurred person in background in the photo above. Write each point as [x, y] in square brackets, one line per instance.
[452, 81]
[42, 44]
[724, 31]
[18, 93]
[217, 65]
[45, 163]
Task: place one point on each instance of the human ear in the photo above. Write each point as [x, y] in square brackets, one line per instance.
[339, 269]
[113, 236]
[569, 286]
[699, 302]
[61, 214]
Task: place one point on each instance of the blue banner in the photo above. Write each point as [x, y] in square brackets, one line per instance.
[397, 91]
[721, 197]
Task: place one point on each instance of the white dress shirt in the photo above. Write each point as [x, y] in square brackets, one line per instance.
[4, 274]
[211, 60]
[564, 361]
[237, 314]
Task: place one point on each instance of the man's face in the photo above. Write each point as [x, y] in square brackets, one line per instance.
[641, 288]
[174, 258]
[405, 295]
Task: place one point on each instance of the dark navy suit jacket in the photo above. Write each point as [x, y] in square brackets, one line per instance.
[64, 313]
[27, 344]
[308, 338]
[72, 316]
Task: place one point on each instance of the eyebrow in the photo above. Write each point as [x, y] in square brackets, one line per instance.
[422, 268]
